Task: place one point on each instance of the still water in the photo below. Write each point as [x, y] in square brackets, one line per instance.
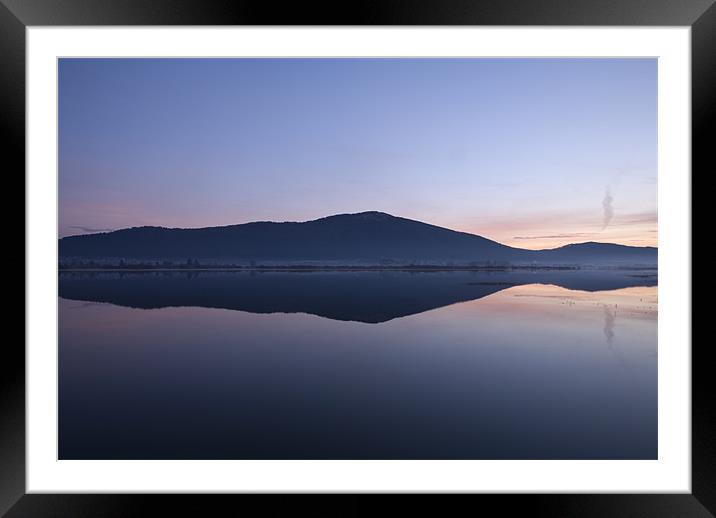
[358, 365]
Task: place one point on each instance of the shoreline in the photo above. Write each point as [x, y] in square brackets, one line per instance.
[365, 269]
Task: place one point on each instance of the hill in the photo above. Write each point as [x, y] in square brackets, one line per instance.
[366, 237]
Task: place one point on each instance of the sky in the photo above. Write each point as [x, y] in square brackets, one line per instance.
[533, 153]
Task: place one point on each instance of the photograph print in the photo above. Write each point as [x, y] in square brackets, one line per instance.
[357, 258]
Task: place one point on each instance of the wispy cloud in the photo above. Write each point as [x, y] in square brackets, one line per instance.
[90, 230]
[557, 236]
[637, 218]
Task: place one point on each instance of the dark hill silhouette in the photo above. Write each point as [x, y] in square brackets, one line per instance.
[370, 297]
[593, 252]
[365, 237]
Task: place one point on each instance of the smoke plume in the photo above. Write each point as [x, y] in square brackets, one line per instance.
[608, 208]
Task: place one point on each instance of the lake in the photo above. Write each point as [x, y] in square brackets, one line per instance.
[358, 365]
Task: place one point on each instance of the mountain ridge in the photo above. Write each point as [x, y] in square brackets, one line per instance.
[370, 236]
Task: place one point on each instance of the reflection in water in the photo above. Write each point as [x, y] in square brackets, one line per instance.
[453, 365]
[609, 325]
[370, 297]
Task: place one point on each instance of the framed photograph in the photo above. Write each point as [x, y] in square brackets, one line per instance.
[434, 250]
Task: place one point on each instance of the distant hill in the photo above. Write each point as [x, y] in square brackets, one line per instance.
[592, 252]
[366, 237]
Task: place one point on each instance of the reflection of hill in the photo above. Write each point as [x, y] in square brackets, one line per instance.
[370, 297]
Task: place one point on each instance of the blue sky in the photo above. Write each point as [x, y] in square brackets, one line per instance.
[529, 152]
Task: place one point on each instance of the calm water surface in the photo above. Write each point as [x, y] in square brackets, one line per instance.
[362, 365]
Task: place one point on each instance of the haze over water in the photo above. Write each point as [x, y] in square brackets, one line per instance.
[480, 366]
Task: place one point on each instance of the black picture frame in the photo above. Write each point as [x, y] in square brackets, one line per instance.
[16, 15]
